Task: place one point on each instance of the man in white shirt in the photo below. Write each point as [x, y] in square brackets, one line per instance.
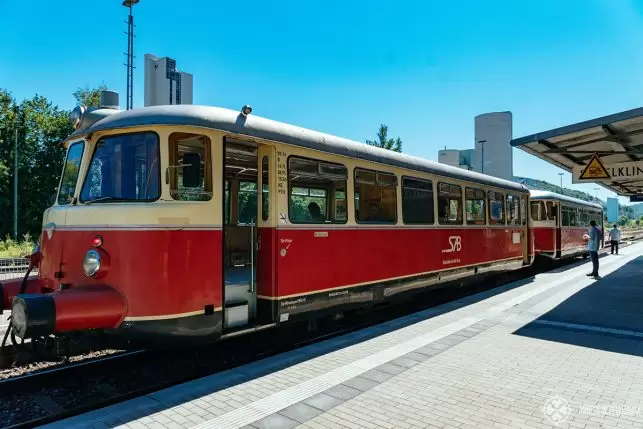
[594, 239]
[615, 237]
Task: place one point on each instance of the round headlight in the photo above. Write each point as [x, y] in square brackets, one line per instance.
[76, 116]
[91, 264]
[19, 317]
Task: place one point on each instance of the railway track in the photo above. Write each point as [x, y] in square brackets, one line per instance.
[50, 395]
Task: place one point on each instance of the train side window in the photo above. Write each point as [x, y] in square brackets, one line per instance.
[70, 173]
[535, 210]
[573, 216]
[551, 210]
[513, 210]
[584, 217]
[598, 218]
[190, 169]
[449, 204]
[375, 196]
[317, 191]
[565, 211]
[417, 201]
[474, 204]
[496, 208]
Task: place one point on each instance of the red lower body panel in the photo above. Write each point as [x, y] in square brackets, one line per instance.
[571, 239]
[320, 259]
[545, 240]
[160, 272]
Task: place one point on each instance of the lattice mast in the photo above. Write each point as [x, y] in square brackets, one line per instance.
[129, 100]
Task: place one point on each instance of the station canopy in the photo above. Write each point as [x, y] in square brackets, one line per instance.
[607, 151]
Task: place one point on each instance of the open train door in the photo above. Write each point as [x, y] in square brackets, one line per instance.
[249, 235]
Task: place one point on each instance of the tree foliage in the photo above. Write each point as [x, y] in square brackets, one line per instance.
[89, 97]
[385, 142]
[41, 127]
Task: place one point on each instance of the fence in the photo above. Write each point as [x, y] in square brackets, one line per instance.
[14, 267]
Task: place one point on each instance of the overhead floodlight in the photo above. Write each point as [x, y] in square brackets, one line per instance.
[76, 115]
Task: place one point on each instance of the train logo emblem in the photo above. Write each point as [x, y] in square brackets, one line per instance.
[455, 244]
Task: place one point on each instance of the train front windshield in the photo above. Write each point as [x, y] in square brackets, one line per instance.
[124, 168]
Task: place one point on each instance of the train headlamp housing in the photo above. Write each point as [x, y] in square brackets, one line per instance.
[76, 116]
[91, 263]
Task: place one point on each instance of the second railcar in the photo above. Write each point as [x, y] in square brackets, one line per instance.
[559, 223]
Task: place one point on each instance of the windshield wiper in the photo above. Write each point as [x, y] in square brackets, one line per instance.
[103, 199]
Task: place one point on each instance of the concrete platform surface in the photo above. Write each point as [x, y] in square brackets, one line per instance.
[559, 350]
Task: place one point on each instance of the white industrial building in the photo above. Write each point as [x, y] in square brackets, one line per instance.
[492, 154]
[164, 84]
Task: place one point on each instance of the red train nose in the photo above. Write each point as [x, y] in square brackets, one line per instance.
[78, 308]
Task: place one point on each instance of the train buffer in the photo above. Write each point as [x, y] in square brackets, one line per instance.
[559, 349]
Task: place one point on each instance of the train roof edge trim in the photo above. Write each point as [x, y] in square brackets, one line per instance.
[267, 129]
[560, 197]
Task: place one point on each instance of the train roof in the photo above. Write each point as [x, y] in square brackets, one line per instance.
[258, 127]
[559, 197]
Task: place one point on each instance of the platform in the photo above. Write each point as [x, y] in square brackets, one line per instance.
[556, 350]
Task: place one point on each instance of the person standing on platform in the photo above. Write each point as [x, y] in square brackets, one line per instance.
[593, 243]
[615, 238]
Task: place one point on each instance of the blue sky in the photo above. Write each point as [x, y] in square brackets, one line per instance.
[424, 68]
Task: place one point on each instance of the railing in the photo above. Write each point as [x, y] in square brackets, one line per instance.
[14, 267]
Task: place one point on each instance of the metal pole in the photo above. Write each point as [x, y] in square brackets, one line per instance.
[15, 186]
[561, 183]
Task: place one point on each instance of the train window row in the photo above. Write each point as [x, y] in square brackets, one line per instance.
[572, 216]
[318, 194]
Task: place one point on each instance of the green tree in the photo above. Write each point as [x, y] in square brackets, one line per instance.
[41, 129]
[89, 97]
[623, 220]
[385, 142]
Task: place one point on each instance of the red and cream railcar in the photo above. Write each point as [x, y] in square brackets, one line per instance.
[195, 222]
[559, 223]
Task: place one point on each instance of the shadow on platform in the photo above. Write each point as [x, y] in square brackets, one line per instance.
[606, 315]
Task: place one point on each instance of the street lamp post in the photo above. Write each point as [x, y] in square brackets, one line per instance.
[129, 102]
[15, 186]
[482, 142]
[561, 183]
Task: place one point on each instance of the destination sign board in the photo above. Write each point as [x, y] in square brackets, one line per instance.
[597, 171]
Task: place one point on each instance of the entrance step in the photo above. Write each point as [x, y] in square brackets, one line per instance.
[236, 315]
